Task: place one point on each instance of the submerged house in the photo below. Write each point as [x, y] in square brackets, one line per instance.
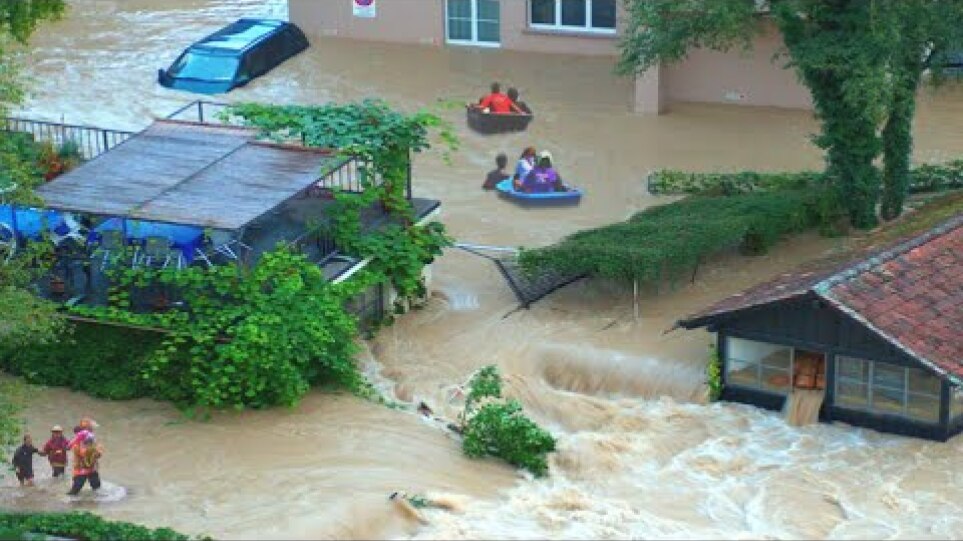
[881, 336]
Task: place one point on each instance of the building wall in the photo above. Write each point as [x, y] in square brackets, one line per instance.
[751, 78]
[405, 21]
[705, 76]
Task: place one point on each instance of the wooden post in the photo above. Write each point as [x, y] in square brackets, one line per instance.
[635, 298]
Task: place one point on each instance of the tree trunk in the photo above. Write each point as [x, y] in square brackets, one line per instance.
[898, 142]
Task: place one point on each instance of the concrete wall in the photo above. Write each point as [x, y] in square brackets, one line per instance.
[735, 77]
[705, 76]
[406, 21]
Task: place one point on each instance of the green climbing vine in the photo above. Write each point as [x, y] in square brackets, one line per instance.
[383, 140]
[714, 374]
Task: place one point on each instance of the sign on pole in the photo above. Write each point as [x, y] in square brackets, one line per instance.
[364, 8]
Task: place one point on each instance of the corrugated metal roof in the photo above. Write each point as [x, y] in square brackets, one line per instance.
[186, 173]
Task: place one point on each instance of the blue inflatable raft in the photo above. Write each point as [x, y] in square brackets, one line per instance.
[507, 189]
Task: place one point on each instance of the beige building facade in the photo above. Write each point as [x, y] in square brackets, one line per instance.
[575, 27]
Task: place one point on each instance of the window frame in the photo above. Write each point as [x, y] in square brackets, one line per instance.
[559, 27]
[474, 41]
[758, 367]
[871, 386]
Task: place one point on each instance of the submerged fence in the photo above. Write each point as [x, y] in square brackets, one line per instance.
[528, 288]
[89, 141]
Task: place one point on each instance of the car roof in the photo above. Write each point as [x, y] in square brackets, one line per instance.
[239, 36]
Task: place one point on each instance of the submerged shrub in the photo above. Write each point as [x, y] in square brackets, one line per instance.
[500, 428]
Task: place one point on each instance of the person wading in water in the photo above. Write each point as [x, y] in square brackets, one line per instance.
[86, 456]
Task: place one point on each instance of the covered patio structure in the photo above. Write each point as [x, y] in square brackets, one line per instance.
[185, 193]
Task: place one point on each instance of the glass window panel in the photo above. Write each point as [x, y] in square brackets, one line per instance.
[488, 31]
[781, 358]
[852, 368]
[956, 402]
[775, 379]
[603, 14]
[888, 375]
[459, 29]
[574, 13]
[853, 395]
[488, 10]
[923, 382]
[887, 400]
[923, 407]
[742, 373]
[543, 12]
[459, 9]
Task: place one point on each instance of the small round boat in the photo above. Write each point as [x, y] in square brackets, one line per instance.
[507, 189]
[489, 123]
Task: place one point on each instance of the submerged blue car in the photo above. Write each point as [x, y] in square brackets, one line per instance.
[234, 56]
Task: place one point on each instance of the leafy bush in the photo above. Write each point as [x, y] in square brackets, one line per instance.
[103, 361]
[662, 242]
[499, 428]
[82, 526]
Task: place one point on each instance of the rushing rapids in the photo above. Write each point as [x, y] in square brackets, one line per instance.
[640, 452]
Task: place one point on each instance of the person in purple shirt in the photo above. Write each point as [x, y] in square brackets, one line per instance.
[543, 177]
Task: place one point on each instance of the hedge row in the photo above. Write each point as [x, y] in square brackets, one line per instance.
[80, 526]
[924, 178]
[100, 360]
[661, 242]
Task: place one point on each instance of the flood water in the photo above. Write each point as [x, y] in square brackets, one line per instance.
[640, 453]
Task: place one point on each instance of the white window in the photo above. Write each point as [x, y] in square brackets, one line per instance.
[573, 15]
[473, 22]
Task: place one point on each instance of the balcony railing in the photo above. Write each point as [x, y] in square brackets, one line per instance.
[90, 141]
[345, 177]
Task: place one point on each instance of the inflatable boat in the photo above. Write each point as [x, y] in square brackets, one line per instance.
[507, 189]
[489, 123]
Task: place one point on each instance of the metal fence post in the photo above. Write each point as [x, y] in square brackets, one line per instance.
[200, 112]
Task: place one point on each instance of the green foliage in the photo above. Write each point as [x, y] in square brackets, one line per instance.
[486, 383]
[501, 429]
[714, 374]
[922, 179]
[246, 338]
[494, 427]
[666, 30]
[672, 182]
[665, 241]
[103, 361]
[82, 526]
[18, 20]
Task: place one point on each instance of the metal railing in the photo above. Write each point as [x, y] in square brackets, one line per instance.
[346, 176]
[90, 141]
[204, 112]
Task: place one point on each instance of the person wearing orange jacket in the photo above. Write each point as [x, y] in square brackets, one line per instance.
[86, 457]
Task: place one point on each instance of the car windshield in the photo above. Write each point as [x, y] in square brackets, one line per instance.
[193, 65]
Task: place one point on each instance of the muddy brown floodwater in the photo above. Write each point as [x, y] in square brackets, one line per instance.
[640, 454]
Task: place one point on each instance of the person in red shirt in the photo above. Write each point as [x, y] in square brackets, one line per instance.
[498, 103]
[56, 451]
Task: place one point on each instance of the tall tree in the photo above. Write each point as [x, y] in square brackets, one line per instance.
[928, 32]
[862, 61]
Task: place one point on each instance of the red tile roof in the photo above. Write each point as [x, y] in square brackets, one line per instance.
[910, 295]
